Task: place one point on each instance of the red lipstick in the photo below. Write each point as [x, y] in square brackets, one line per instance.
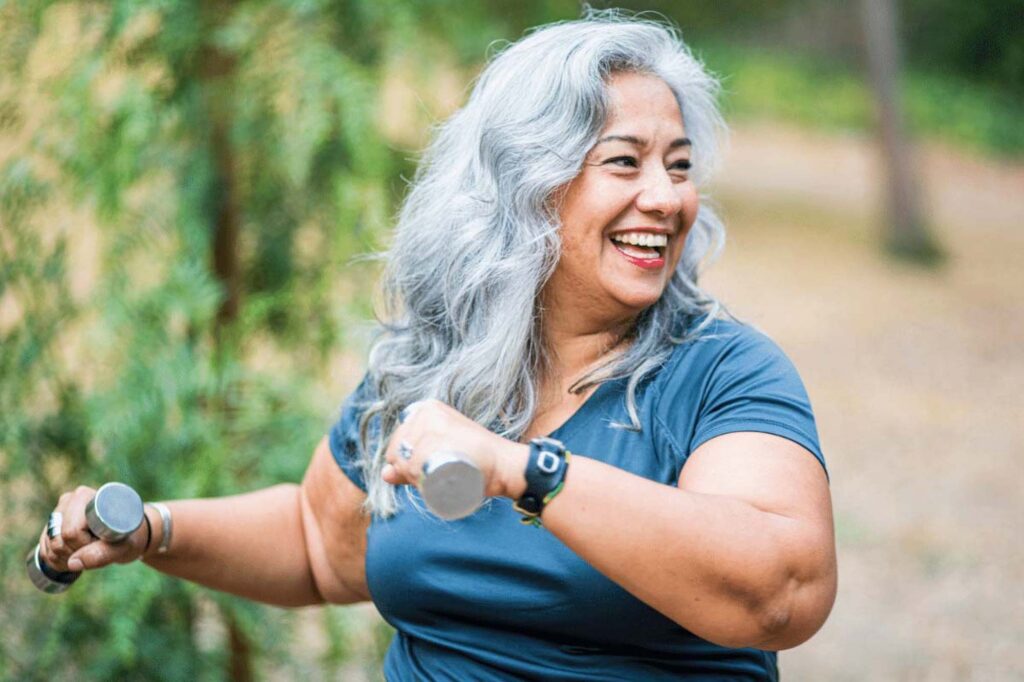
[645, 263]
[655, 263]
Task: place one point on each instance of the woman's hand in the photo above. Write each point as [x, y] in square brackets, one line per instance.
[75, 548]
[431, 426]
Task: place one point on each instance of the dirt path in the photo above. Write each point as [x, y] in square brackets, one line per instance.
[915, 377]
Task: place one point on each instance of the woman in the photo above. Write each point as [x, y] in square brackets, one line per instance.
[542, 282]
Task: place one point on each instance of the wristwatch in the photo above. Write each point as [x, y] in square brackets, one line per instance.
[545, 475]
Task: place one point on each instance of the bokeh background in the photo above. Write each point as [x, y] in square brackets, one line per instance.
[187, 190]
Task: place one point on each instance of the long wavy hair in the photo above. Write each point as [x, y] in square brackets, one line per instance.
[477, 237]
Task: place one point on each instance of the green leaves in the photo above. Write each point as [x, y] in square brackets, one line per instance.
[160, 122]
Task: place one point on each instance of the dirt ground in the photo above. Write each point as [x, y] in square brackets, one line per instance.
[915, 377]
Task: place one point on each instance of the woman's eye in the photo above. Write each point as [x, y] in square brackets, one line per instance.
[623, 161]
[682, 164]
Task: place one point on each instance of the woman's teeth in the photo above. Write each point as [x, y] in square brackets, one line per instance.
[643, 245]
[641, 239]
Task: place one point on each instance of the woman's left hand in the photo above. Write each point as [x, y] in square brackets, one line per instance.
[431, 426]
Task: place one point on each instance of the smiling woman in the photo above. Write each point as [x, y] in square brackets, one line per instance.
[543, 298]
[625, 217]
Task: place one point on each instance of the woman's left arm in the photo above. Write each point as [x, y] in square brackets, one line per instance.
[741, 553]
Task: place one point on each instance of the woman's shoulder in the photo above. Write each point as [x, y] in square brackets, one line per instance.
[711, 342]
[729, 376]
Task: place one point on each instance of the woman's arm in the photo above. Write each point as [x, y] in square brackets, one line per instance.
[741, 553]
[252, 545]
[287, 545]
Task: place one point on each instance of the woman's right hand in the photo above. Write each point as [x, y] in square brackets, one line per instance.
[76, 548]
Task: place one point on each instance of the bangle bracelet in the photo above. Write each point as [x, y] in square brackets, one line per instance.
[149, 534]
[168, 530]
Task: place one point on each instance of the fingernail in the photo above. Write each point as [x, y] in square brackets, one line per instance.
[75, 564]
[387, 471]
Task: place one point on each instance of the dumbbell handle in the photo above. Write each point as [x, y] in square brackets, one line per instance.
[113, 514]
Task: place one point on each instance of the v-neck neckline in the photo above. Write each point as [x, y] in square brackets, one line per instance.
[571, 421]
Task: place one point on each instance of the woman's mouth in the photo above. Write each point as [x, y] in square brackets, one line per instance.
[642, 249]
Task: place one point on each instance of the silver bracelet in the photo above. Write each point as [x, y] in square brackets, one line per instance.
[168, 528]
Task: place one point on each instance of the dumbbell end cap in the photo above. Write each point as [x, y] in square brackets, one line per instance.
[115, 512]
[45, 578]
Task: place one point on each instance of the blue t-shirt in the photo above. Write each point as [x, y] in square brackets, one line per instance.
[489, 598]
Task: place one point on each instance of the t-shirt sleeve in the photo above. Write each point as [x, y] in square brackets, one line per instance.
[343, 438]
[751, 386]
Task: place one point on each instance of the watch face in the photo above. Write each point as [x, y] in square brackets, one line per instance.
[548, 462]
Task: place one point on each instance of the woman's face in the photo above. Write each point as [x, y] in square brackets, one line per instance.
[625, 217]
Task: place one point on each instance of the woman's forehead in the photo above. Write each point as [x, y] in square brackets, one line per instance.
[642, 106]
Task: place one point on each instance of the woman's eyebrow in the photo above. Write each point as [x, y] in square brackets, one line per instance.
[641, 142]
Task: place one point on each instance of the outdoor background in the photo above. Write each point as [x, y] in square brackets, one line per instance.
[185, 191]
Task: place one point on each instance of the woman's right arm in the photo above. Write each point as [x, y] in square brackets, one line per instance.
[287, 545]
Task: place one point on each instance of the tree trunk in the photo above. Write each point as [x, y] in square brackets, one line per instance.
[240, 664]
[217, 72]
[906, 233]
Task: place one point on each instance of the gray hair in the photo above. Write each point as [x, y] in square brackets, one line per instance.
[477, 237]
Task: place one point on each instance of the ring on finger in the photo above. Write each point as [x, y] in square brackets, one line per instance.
[53, 525]
[405, 451]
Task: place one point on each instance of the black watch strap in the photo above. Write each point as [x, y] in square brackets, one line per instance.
[545, 473]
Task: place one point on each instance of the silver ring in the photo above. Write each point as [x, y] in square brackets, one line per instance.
[54, 524]
[405, 451]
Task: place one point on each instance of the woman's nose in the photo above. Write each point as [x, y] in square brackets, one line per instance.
[659, 194]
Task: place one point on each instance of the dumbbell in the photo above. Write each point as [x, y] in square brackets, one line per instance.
[113, 514]
[452, 487]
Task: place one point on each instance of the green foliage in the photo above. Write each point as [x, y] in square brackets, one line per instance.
[141, 131]
[978, 41]
[761, 83]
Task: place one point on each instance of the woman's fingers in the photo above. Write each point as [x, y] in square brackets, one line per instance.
[50, 557]
[425, 426]
[75, 531]
[57, 546]
[390, 475]
[100, 553]
[53, 541]
[73, 547]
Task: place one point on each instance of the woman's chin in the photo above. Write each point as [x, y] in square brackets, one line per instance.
[638, 298]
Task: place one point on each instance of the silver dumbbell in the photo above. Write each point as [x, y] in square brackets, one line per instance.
[452, 486]
[113, 514]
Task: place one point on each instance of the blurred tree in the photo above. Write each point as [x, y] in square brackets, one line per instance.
[180, 186]
[979, 40]
[907, 234]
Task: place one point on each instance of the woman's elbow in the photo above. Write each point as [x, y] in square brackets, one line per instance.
[796, 613]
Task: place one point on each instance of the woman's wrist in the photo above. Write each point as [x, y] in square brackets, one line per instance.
[512, 470]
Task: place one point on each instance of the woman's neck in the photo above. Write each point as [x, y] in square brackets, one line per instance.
[574, 348]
